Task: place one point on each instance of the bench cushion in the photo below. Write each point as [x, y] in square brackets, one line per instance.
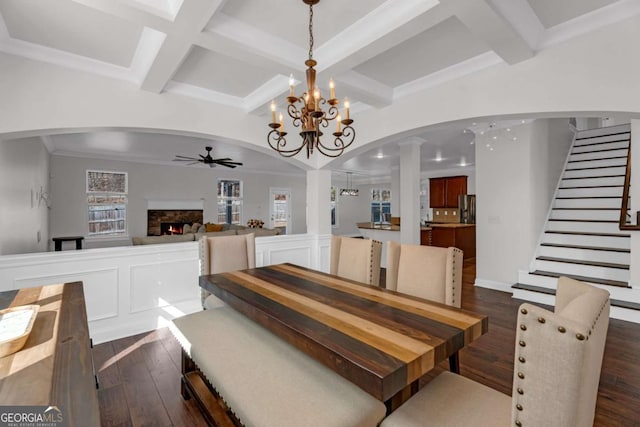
[266, 381]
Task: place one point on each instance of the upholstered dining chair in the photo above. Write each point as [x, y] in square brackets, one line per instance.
[222, 254]
[558, 357]
[356, 259]
[427, 272]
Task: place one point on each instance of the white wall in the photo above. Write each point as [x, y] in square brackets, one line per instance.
[156, 182]
[24, 171]
[515, 184]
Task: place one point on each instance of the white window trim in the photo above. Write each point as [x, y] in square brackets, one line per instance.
[121, 236]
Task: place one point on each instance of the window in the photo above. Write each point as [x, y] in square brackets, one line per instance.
[334, 207]
[380, 204]
[107, 203]
[229, 201]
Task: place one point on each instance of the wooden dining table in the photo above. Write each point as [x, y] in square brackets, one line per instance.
[381, 340]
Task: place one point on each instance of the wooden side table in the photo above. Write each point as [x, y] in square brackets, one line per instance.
[57, 241]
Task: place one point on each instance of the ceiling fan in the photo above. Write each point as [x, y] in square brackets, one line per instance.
[207, 160]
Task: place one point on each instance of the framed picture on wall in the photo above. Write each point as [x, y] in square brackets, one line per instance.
[375, 194]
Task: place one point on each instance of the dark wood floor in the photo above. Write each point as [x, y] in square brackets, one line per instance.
[140, 375]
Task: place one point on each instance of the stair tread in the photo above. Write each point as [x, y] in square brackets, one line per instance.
[599, 151]
[549, 291]
[582, 233]
[602, 158]
[591, 248]
[602, 142]
[584, 262]
[594, 167]
[588, 197]
[595, 177]
[586, 209]
[602, 136]
[607, 282]
[590, 186]
[585, 220]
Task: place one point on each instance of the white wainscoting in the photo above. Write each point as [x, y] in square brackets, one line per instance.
[134, 289]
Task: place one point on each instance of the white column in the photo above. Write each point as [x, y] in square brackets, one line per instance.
[410, 190]
[318, 202]
[634, 192]
[395, 192]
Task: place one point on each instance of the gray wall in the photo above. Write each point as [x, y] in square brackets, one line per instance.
[160, 182]
[24, 169]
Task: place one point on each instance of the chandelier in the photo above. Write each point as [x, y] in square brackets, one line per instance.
[349, 191]
[308, 113]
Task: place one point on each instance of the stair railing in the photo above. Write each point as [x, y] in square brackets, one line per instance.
[623, 223]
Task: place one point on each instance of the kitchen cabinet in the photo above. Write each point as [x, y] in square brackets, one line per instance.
[425, 236]
[444, 192]
[461, 236]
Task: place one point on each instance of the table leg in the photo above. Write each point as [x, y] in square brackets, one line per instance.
[454, 363]
[402, 396]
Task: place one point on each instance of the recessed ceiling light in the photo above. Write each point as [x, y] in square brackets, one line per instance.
[379, 156]
[472, 142]
[473, 124]
[495, 137]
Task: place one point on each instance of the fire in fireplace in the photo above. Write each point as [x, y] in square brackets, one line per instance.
[169, 228]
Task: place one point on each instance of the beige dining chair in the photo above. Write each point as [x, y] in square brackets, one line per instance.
[427, 272]
[558, 357]
[222, 254]
[356, 259]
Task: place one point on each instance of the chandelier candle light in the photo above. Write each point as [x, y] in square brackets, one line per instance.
[309, 115]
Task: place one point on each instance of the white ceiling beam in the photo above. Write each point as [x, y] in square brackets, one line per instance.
[129, 13]
[387, 37]
[179, 42]
[364, 89]
[489, 26]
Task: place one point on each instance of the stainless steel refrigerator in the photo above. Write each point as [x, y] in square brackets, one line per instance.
[467, 206]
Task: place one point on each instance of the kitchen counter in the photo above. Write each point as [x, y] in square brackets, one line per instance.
[451, 225]
[368, 226]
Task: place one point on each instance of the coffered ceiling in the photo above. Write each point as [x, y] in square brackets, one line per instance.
[240, 53]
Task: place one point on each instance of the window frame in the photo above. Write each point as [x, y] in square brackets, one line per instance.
[229, 202]
[93, 193]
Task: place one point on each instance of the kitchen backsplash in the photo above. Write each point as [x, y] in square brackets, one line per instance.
[448, 215]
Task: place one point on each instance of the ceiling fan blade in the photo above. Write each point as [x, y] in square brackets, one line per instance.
[184, 158]
[226, 159]
[228, 163]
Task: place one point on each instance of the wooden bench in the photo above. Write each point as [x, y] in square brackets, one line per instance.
[260, 379]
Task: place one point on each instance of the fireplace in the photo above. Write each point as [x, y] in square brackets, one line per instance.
[159, 220]
[170, 228]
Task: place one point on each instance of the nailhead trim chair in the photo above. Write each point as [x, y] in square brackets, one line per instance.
[558, 358]
[222, 254]
[427, 272]
[356, 259]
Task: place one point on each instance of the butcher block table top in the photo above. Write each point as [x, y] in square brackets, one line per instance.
[382, 341]
[55, 366]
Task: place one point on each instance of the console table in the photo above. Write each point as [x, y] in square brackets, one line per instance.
[55, 366]
[57, 241]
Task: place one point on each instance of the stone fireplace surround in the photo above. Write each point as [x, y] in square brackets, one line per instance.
[172, 211]
[156, 217]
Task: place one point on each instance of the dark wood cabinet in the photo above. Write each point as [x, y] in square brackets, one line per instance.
[461, 237]
[444, 192]
[425, 237]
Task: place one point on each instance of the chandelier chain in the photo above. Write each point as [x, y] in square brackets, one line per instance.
[310, 31]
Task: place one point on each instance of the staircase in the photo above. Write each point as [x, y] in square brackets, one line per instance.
[581, 238]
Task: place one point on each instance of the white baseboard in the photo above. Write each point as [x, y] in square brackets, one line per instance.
[492, 284]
